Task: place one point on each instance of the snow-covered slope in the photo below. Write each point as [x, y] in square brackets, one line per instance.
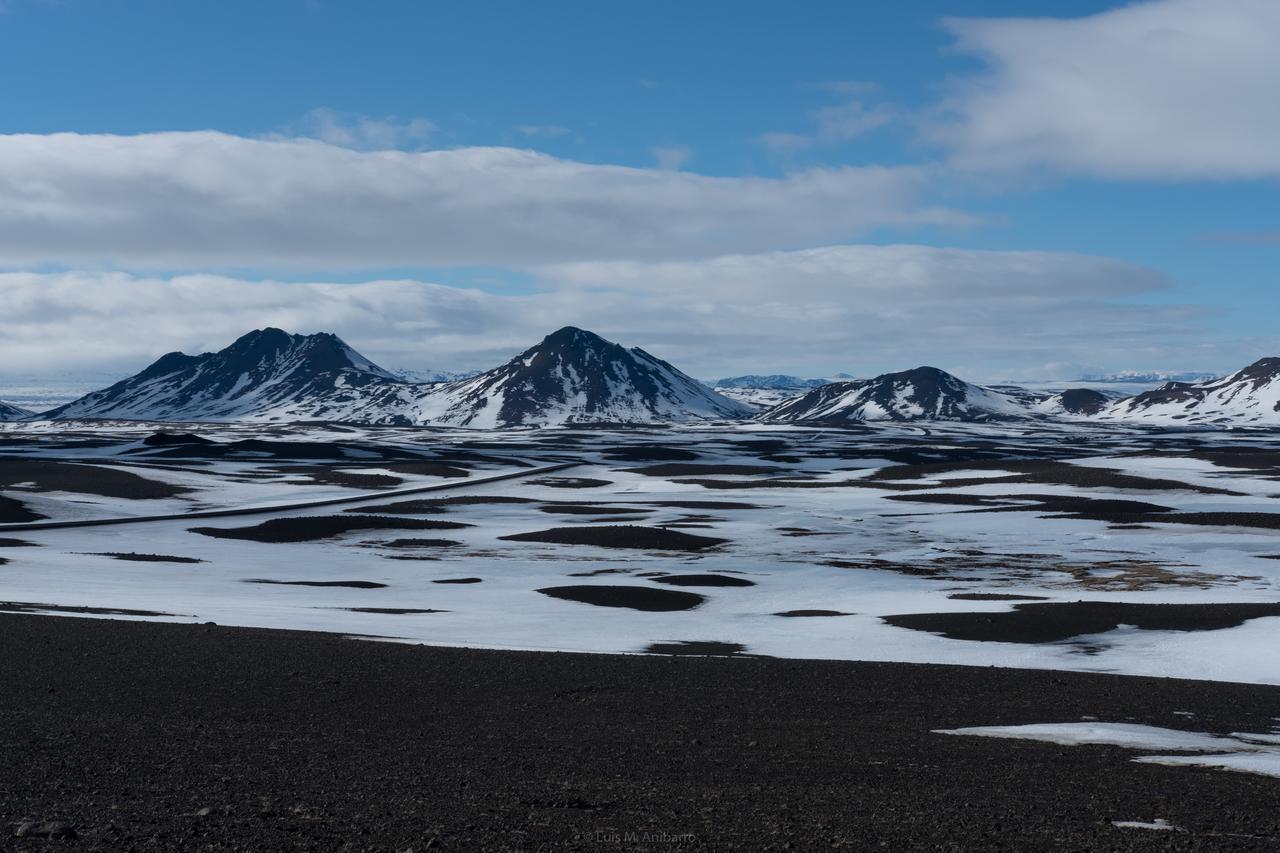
[575, 376]
[265, 373]
[10, 412]
[1250, 396]
[925, 393]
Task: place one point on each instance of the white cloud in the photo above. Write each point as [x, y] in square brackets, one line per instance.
[857, 308]
[672, 157]
[360, 132]
[211, 200]
[1177, 89]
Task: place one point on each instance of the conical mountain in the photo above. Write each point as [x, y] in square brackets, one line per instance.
[266, 373]
[925, 393]
[576, 376]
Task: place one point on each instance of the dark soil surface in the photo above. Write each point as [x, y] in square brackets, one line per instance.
[697, 648]
[631, 597]
[704, 580]
[14, 511]
[323, 475]
[426, 506]
[33, 607]
[620, 536]
[392, 611]
[144, 736]
[100, 480]
[648, 453]
[570, 482]
[804, 613]
[419, 543]
[458, 580]
[347, 584]
[993, 596]
[308, 528]
[1044, 472]
[695, 469]
[16, 543]
[1263, 520]
[1056, 621]
[578, 509]
[703, 504]
[148, 558]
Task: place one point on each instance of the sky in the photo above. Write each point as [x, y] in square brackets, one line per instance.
[1003, 189]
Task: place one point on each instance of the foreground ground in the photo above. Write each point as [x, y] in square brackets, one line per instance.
[152, 736]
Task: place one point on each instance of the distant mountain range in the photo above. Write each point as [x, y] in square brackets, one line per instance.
[574, 376]
[1138, 377]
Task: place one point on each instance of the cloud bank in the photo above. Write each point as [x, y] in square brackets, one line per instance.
[1175, 89]
[214, 201]
[859, 308]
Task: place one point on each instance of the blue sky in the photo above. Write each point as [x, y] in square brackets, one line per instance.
[996, 128]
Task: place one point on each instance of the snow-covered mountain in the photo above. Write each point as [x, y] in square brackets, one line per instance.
[925, 393]
[575, 376]
[10, 412]
[572, 376]
[264, 372]
[1248, 396]
[774, 381]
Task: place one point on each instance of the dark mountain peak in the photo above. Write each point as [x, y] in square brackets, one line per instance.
[1082, 401]
[576, 375]
[573, 339]
[923, 373]
[260, 370]
[922, 393]
[171, 362]
[1262, 370]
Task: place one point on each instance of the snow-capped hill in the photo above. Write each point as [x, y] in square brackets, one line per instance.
[10, 412]
[925, 393]
[1250, 396]
[575, 376]
[1077, 402]
[266, 374]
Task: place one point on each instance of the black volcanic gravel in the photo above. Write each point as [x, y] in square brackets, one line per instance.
[307, 528]
[620, 536]
[14, 511]
[148, 558]
[346, 584]
[630, 597]
[704, 580]
[162, 737]
[1055, 621]
[50, 476]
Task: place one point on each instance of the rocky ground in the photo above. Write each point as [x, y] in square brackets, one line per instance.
[147, 736]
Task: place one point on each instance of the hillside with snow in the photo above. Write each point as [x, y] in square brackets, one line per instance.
[10, 412]
[925, 393]
[1250, 396]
